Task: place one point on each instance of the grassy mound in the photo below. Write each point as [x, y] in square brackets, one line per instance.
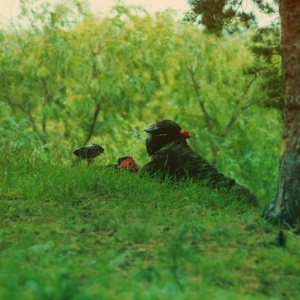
[76, 231]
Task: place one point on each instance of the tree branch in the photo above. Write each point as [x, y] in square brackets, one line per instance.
[93, 123]
[25, 112]
[197, 88]
[29, 116]
[235, 116]
[207, 118]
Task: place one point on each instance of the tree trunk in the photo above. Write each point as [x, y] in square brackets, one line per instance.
[93, 123]
[285, 207]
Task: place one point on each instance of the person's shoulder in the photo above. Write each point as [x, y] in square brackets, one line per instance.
[172, 148]
[163, 154]
[177, 145]
[180, 148]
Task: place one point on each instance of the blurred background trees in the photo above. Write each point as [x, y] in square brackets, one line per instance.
[230, 16]
[69, 78]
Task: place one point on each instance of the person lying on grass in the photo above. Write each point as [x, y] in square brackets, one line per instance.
[172, 158]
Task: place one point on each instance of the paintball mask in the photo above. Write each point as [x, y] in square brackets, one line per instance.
[159, 134]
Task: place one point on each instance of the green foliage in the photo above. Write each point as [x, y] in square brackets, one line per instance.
[71, 78]
[223, 17]
[228, 16]
[266, 47]
[82, 232]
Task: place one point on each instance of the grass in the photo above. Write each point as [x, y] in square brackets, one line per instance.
[73, 231]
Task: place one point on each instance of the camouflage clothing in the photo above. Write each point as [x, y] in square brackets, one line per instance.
[177, 161]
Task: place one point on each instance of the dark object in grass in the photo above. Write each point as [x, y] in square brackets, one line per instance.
[281, 239]
[89, 152]
[173, 158]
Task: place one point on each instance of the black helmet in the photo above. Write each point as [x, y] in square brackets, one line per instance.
[164, 127]
[89, 152]
[160, 133]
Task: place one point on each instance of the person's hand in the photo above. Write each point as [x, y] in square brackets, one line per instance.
[127, 163]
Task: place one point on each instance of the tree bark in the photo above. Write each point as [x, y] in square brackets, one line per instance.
[285, 207]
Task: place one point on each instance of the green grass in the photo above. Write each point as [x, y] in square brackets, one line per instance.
[73, 231]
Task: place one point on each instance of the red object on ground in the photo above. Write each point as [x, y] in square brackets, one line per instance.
[129, 164]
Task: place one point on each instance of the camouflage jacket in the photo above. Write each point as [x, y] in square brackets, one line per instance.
[177, 161]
